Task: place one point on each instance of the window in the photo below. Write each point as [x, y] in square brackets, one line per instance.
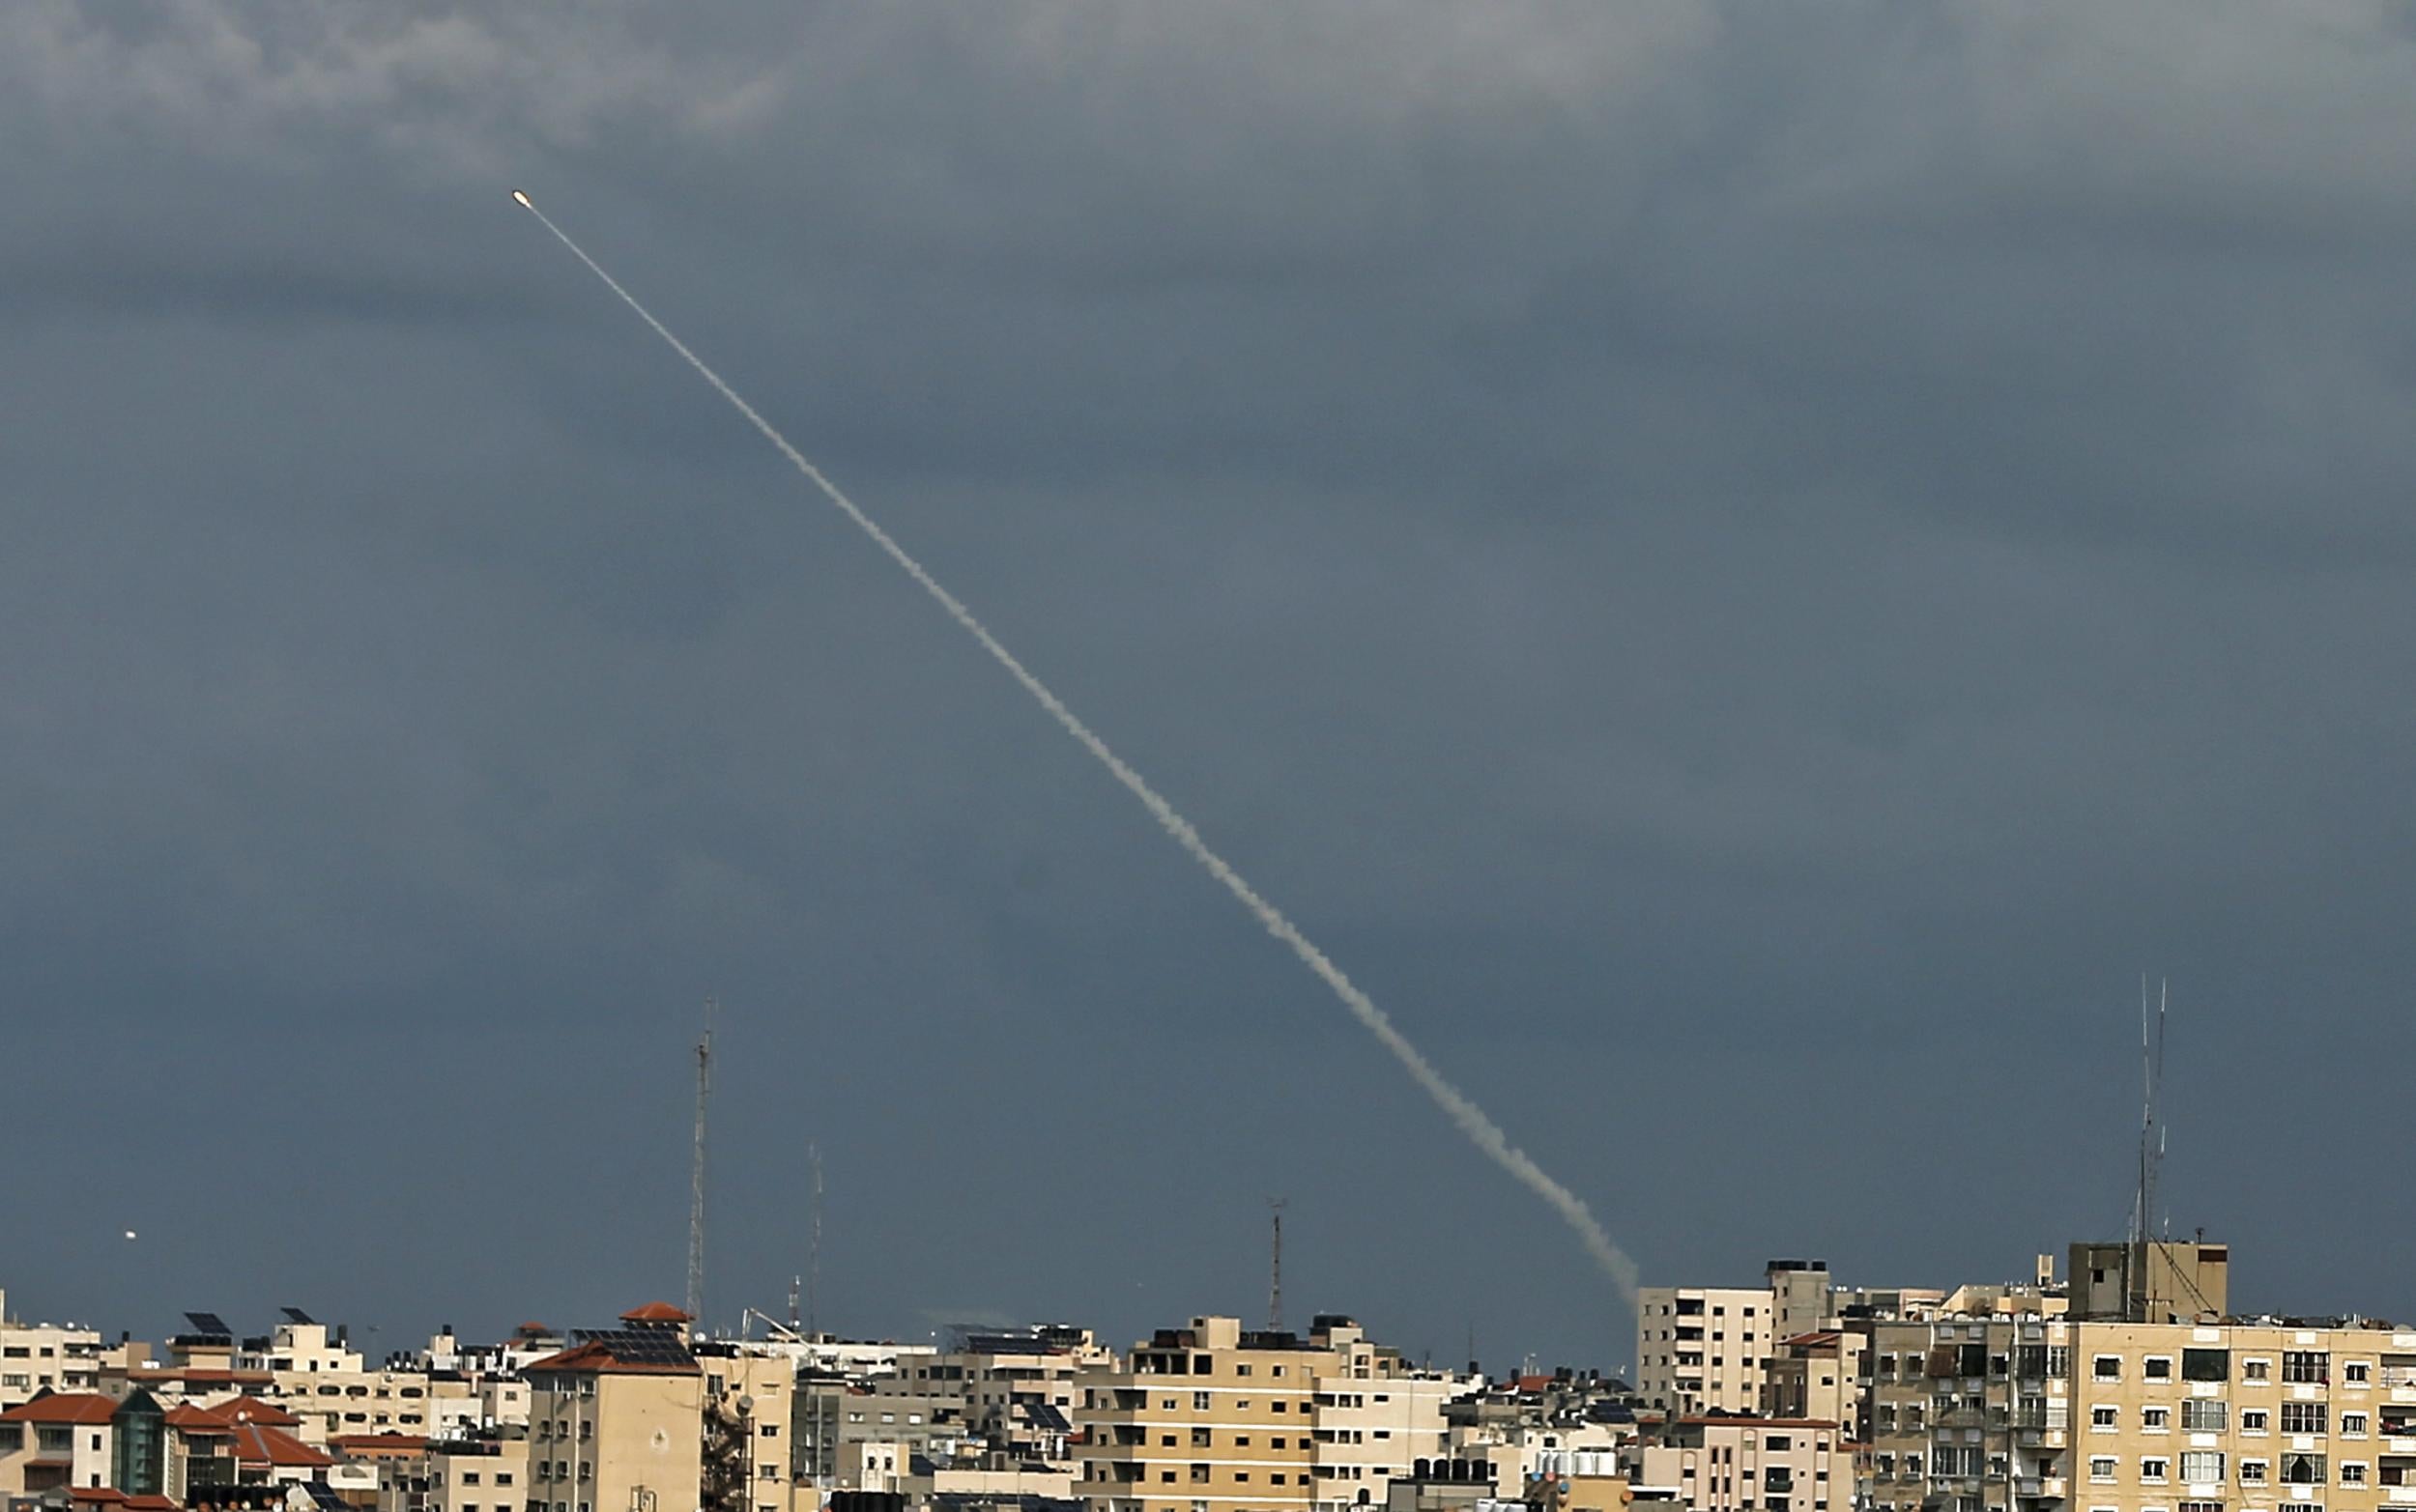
[2155, 1470]
[2352, 1472]
[2304, 1367]
[2202, 1414]
[2257, 1370]
[2106, 1367]
[2156, 1418]
[2101, 1469]
[2202, 1507]
[2058, 1361]
[2302, 1469]
[2252, 1472]
[469, 1477]
[2353, 1425]
[2156, 1367]
[2356, 1372]
[2201, 1466]
[2105, 1419]
[2253, 1419]
[2302, 1417]
[1199, 1400]
[1241, 1370]
[2205, 1364]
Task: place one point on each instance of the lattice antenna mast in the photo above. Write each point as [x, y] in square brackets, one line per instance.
[1274, 1267]
[2145, 1224]
[696, 1171]
[813, 1250]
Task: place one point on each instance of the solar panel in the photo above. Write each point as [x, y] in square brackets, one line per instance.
[641, 1345]
[297, 1315]
[209, 1322]
[1045, 1415]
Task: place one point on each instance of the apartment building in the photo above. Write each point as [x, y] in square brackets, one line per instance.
[1376, 1415]
[483, 1474]
[42, 1356]
[849, 1435]
[2061, 1414]
[745, 1420]
[1014, 1389]
[1720, 1464]
[1970, 1413]
[1209, 1419]
[1709, 1349]
[1822, 1375]
[616, 1422]
[2246, 1415]
[61, 1442]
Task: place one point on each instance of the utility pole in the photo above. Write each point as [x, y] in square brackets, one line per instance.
[1275, 1268]
[696, 1174]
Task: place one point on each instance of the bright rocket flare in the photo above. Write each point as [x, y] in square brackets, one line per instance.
[524, 200]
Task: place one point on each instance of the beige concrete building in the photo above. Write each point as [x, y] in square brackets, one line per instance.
[62, 1441]
[1822, 1375]
[1968, 1413]
[485, 1474]
[850, 1436]
[1744, 1465]
[746, 1426]
[1015, 1388]
[44, 1356]
[1709, 1349]
[615, 1422]
[1375, 1414]
[2162, 1281]
[2246, 1416]
[1209, 1419]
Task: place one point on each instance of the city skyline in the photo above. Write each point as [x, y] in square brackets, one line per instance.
[1746, 572]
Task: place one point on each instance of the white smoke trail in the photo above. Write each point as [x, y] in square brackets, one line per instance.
[1481, 1129]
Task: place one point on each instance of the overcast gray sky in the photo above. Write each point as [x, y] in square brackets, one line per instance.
[1744, 569]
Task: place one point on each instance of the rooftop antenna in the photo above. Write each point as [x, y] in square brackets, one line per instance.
[1274, 1267]
[2145, 1225]
[696, 1173]
[813, 1250]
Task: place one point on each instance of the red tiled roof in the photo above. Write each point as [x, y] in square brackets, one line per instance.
[251, 1409]
[63, 1407]
[257, 1443]
[656, 1312]
[597, 1358]
[191, 1418]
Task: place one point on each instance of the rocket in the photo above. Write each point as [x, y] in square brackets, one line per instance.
[523, 197]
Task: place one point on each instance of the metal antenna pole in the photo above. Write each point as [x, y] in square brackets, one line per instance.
[814, 1251]
[1275, 1271]
[696, 1174]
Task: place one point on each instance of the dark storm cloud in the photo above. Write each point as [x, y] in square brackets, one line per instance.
[1836, 536]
